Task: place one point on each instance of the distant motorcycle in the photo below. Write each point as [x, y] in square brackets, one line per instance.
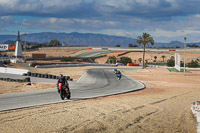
[64, 91]
[119, 75]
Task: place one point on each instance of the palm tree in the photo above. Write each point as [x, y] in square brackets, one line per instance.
[163, 56]
[145, 39]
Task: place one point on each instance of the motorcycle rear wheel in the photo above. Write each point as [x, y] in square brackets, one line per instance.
[68, 96]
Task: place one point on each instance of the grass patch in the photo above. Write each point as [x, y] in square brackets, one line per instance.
[175, 70]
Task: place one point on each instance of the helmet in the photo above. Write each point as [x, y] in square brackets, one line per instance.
[60, 76]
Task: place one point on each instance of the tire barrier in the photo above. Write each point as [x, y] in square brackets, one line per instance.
[32, 74]
[39, 75]
[16, 80]
[28, 73]
[35, 75]
[48, 76]
[28, 79]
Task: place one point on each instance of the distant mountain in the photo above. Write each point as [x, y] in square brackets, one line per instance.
[4, 38]
[81, 39]
[85, 39]
[172, 44]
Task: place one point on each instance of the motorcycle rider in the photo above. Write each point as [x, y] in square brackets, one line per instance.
[62, 79]
[119, 75]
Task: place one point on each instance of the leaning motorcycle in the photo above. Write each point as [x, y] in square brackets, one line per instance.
[64, 91]
[119, 76]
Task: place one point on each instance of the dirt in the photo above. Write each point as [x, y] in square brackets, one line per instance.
[21, 87]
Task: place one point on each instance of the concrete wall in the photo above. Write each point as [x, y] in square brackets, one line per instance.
[13, 70]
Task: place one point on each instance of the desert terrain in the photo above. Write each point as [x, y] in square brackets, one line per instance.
[164, 106]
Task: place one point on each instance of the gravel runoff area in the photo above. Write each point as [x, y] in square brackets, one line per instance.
[164, 106]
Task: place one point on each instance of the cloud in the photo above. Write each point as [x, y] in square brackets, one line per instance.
[102, 9]
[75, 24]
[7, 21]
[124, 17]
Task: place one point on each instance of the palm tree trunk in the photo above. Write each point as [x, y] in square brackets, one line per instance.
[143, 58]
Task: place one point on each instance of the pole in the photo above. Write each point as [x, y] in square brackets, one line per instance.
[25, 44]
[184, 54]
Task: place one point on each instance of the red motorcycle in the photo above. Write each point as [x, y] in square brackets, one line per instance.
[64, 91]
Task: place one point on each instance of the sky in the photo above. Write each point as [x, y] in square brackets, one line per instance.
[164, 20]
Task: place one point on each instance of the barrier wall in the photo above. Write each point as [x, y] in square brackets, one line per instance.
[73, 65]
[12, 70]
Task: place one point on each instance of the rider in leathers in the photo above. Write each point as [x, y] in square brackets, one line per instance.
[62, 79]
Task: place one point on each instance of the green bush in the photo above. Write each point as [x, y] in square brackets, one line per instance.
[111, 60]
[66, 59]
[6, 62]
[125, 60]
[171, 62]
[193, 64]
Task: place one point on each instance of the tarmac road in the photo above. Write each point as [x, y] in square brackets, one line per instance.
[94, 83]
[90, 54]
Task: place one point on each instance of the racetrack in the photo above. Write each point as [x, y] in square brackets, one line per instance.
[94, 83]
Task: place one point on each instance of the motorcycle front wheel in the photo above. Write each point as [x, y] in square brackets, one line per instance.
[62, 95]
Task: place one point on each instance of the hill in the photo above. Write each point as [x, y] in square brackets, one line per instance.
[86, 39]
[81, 39]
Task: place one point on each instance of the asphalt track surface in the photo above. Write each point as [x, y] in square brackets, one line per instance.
[91, 54]
[94, 83]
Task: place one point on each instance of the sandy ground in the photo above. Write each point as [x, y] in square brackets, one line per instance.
[21, 87]
[164, 106]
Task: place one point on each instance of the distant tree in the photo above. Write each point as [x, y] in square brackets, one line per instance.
[130, 45]
[145, 39]
[193, 64]
[54, 43]
[111, 60]
[163, 56]
[193, 45]
[140, 60]
[155, 57]
[117, 45]
[125, 60]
